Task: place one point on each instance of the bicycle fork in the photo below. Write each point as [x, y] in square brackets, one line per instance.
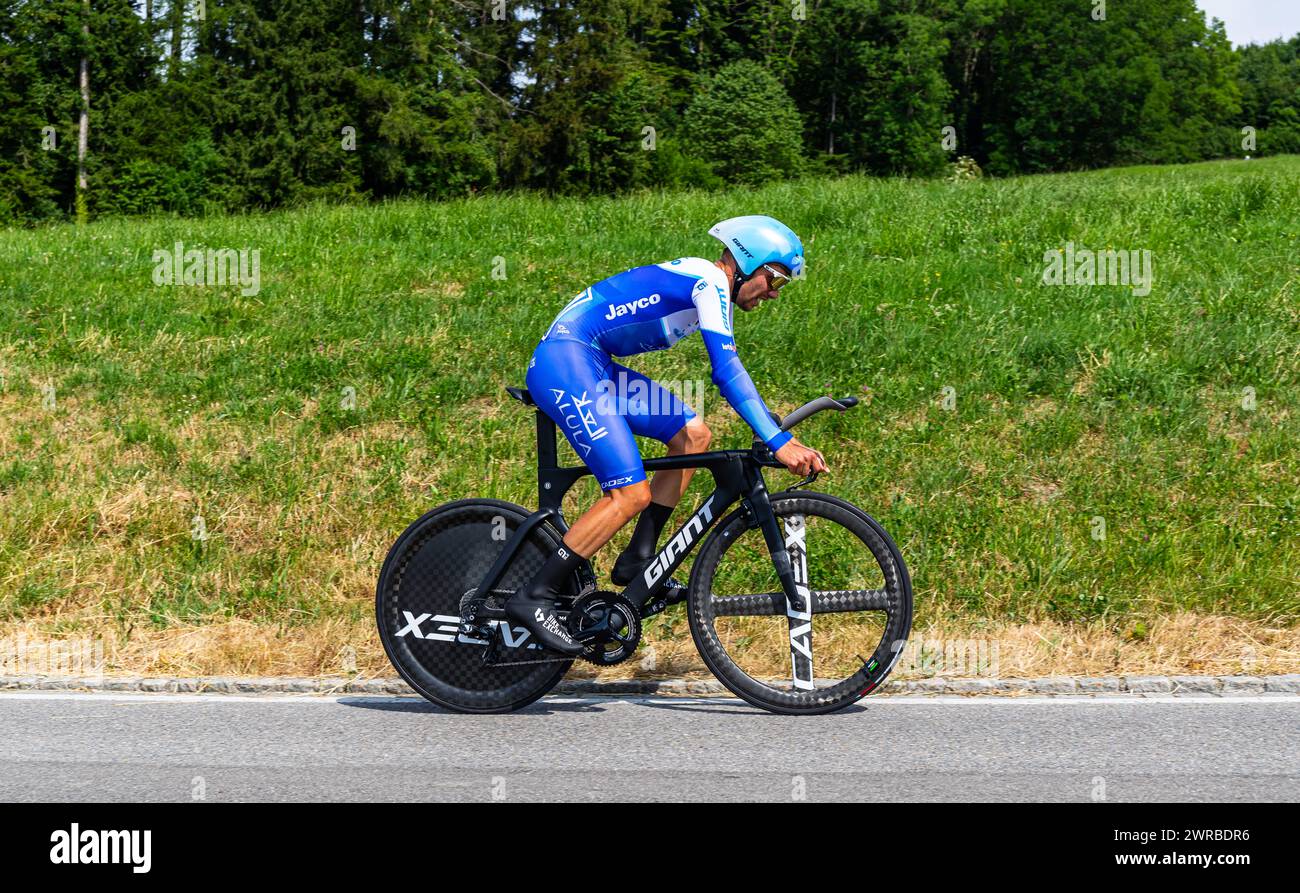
[790, 558]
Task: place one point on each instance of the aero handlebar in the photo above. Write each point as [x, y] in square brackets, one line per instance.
[813, 407]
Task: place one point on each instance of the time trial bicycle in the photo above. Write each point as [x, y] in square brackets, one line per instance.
[798, 602]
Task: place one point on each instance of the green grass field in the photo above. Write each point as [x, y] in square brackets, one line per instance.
[131, 409]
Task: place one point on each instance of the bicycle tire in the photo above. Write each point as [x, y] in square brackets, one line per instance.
[439, 557]
[895, 597]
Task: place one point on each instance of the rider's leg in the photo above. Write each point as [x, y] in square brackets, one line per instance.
[654, 411]
[533, 605]
[666, 491]
[607, 517]
[667, 486]
[568, 380]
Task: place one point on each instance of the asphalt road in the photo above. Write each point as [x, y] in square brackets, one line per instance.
[142, 747]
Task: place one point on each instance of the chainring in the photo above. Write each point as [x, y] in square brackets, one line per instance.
[617, 619]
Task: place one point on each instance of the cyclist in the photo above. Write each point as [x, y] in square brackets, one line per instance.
[600, 404]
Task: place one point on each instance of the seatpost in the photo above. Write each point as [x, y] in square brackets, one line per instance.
[546, 458]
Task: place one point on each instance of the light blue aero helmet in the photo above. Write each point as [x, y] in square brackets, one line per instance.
[755, 240]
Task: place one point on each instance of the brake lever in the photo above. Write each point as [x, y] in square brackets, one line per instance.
[805, 482]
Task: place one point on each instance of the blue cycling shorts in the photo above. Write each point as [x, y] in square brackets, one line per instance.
[600, 405]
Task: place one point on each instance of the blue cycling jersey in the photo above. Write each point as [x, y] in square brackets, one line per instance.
[655, 306]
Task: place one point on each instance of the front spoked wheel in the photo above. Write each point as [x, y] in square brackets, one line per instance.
[861, 606]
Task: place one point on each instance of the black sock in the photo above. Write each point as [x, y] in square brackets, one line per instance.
[559, 567]
[648, 527]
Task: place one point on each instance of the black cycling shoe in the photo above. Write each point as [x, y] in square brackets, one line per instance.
[628, 567]
[537, 615]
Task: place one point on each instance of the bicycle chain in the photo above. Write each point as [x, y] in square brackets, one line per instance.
[492, 645]
[524, 663]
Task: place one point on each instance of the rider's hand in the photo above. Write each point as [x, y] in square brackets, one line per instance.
[801, 460]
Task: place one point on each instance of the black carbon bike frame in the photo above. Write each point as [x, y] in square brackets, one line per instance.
[737, 475]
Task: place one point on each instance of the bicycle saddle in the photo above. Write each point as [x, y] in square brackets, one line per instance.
[522, 395]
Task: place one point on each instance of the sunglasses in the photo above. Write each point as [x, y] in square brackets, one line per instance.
[779, 280]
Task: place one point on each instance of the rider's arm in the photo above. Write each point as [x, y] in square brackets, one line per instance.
[728, 373]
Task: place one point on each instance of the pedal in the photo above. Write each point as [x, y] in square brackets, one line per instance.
[672, 595]
[654, 607]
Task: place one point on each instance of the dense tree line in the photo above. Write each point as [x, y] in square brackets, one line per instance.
[242, 104]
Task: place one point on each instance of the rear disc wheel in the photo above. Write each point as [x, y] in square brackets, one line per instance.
[433, 564]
